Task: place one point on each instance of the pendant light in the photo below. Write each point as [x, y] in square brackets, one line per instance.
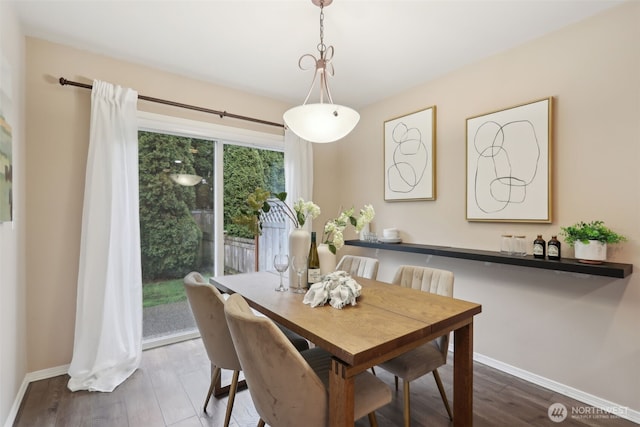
[185, 179]
[321, 122]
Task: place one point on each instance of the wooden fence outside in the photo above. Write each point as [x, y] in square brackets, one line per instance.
[239, 253]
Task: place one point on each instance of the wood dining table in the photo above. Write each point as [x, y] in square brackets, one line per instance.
[386, 321]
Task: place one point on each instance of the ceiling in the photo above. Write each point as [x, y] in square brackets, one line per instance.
[382, 47]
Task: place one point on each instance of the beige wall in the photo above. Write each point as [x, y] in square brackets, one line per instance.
[582, 332]
[58, 134]
[12, 290]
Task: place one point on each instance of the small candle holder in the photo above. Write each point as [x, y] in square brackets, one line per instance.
[506, 244]
[519, 245]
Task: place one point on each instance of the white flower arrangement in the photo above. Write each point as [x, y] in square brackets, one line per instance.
[366, 216]
[334, 228]
[305, 210]
[338, 288]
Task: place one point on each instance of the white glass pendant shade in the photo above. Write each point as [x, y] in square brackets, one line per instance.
[185, 179]
[321, 123]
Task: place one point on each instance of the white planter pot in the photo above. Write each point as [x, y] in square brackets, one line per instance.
[299, 244]
[594, 251]
[327, 259]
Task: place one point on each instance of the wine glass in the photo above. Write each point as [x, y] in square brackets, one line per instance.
[299, 265]
[281, 264]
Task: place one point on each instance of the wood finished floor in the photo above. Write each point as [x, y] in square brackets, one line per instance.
[170, 386]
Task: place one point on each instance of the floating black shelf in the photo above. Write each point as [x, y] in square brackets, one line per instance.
[609, 269]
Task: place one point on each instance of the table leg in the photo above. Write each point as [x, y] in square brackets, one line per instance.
[463, 376]
[341, 395]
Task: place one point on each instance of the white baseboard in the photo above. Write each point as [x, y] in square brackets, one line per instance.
[16, 404]
[579, 395]
[28, 378]
[46, 373]
[61, 370]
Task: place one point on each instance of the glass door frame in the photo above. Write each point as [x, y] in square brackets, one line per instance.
[219, 135]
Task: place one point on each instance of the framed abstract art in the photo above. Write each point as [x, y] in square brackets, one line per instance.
[509, 164]
[410, 156]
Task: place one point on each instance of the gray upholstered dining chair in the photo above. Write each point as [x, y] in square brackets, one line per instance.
[360, 266]
[207, 305]
[430, 356]
[289, 388]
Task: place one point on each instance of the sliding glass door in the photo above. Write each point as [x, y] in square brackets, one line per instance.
[176, 226]
[192, 186]
[245, 169]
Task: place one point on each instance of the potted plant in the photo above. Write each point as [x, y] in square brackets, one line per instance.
[590, 240]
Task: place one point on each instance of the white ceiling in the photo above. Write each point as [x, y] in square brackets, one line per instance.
[382, 47]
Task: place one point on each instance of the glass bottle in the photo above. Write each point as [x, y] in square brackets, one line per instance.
[313, 270]
[539, 247]
[553, 248]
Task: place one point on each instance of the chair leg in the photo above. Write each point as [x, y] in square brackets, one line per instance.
[373, 371]
[407, 404]
[232, 397]
[215, 376]
[373, 421]
[261, 423]
[436, 375]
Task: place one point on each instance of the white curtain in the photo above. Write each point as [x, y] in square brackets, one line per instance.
[108, 334]
[298, 169]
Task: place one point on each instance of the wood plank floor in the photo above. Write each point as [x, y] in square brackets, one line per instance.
[170, 386]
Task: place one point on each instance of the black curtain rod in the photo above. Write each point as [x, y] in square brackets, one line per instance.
[222, 114]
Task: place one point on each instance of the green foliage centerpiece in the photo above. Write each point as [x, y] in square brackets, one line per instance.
[260, 203]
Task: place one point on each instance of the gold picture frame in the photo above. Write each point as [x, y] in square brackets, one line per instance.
[509, 158]
[410, 156]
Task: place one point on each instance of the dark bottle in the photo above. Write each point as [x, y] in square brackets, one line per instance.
[313, 270]
[539, 246]
[553, 248]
